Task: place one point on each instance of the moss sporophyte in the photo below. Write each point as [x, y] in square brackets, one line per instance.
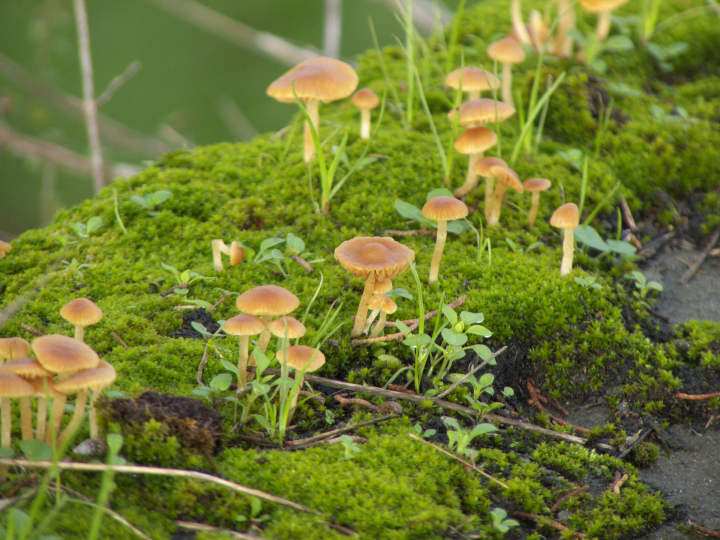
[419, 371]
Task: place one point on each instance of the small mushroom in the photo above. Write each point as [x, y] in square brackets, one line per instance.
[373, 258]
[563, 43]
[81, 312]
[285, 328]
[535, 186]
[484, 168]
[13, 347]
[481, 111]
[11, 386]
[386, 306]
[5, 247]
[314, 80]
[506, 178]
[27, 368]
[382, 286]
[244, 326]
[474, 142]
[236, 253]
[365, 100]
[604, 9]
[507, 51]
[472, 80]
[442, 209]
[302, 359]
[265, 302]
[567, 218]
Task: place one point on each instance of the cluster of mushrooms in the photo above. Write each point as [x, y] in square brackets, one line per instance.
[61, 366]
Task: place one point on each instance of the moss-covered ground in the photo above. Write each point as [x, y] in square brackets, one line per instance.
[572, 337]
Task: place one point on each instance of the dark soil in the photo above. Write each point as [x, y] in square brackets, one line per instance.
[200, 316]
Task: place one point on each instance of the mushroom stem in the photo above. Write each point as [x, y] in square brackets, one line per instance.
[368, 323]
[218, 248]
[41, 418]
[79, 332]
[265, 335]
[380, 326]
[5, 440]
[534, 204]
[437, 253]
[362, 309]
[507, 83]
[364, 123]
[76, 419]
[568, 250]
[471, 177]
[92, 416]
[519, 24]
[496, 204]
[311, 106]
[563, 42]
[603, 25]
[56, 415]
[489, 186]
[243, 354]
[26, 418]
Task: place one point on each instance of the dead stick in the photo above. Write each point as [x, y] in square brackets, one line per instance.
[201, 367]
[627, 214]
[430, 314]
[120, 340]
[117, 82]
[302, 262]
[192, 526]
[356, 401]
[553, 523]
[618, 484]
[33, 331]
[158, 471]
[698, 262]
[470, 373]
[461, 460]
[414, 232]
[573, 493]
[216, 304]
[712, 533]
[696, 397]
[299, 443]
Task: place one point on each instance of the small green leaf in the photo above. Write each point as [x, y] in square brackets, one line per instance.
[450, 314]
[589, 236]
[199, 328]
[221, 382]
[439, 192]
[6, 453]
[618, 43]
[483, 351]
[114, 442]
[417, 340]
[469, 318]
[36, 450]
[621, 247]
[479, 330]
[453, 338]
[294, 243]
[232, 368]
[409, 211]
[404, 328]
[93, 224]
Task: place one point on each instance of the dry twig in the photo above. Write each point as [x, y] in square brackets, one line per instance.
[696, 397]
[553, 523]
[202, 527]
[574, 493]
[699, 260]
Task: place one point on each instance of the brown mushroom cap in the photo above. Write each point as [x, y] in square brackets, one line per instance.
[243, 325]
[267, 300]
[598, 6]
[287, 326]
[365, 99]
[383, 303]
[13, 347]
[88, 379]
[4, 248]
[25, 367]
[482, 111]
[474, 79]
[81, 312]
[61, 354]
[536, 184]
[483, 166]
[13, 386]
[38, 385]
[302, 357]
[321, 78]
[382, 286]
[237, 253]
[566, 217]
[506, 51]
[383, 256]
[507, 176]
[475, 140]
[444, 208]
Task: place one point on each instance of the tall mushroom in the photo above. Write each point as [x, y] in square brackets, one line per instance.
[603, 9]
[302, 359]
[567, 218]
[442, 209]
[28, 368]
[535, 186]
[13, 347]
[484, 168]
[373, 258]
[563, 42]
[285, 328]
[81, 312]
[472, 80]
[382, 286]
[506, 178]
[265, 302]
[244, 326]
[365, 100]
[507, 51]
[11, 386]
[314, 80]
[474, 142]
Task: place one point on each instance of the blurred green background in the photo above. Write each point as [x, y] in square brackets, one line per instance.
[193, 86]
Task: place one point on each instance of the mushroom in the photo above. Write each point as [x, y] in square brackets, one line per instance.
[481, 111]
[472, 80]
[13, 347]
[243, 325]
[81, 312]
[563, 43]
[442, 209]
[12, 386]
[62, 355]
[483, 168]
[535, 186]
[604, 9]
[506, 177]
[365, 100]
[94, 379]
[44, 388]
[236, 253]
[314, 80]
[373, 258]
[567, 218]
[264, 302]
[382, 286]
[4, 248]
[302, 359]
[285, 328]
[28, 368]
[386, 306]
[507, 51]
[474, 142]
